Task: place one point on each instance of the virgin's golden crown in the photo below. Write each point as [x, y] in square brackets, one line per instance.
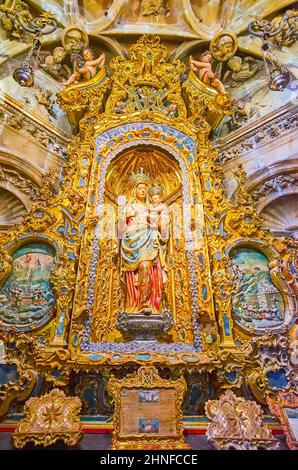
[139, 177]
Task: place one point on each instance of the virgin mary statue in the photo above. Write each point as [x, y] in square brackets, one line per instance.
[142, 251]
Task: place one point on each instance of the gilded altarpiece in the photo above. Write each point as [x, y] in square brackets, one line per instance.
[144, 127]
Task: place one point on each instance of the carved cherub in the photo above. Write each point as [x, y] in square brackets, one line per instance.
[241, 70]
[89, 69]
[53, 64]
[204, 69]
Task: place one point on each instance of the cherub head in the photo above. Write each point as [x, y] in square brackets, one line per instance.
[156, 193]
[49, 61]
[206, 56]
[88, 54]
[59, 54]
[235, 63]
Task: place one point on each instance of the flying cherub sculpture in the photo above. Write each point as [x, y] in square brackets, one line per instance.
[204, 69]
[241, 70]
[89, 69]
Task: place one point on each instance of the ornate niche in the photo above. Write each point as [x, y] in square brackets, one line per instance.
[262, 301]
[27, 299]
[164, 180]
[167, 174]
[143, 127]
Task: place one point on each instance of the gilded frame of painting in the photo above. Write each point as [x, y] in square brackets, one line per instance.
[278, 280]
[147, 378]
[286, 401]
[6, 269]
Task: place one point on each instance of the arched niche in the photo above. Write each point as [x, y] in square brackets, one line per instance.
[27, 300]
[109, 294]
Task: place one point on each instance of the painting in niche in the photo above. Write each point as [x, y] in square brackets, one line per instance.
[257, 302]
[26, 296]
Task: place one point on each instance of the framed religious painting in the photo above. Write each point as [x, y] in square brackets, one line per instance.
[285, 407]
[147, 411]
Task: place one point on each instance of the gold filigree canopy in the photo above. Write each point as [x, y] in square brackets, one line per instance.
[146, 80]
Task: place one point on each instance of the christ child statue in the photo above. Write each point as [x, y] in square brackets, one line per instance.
[159, 221]
[204, 69]
[89, 69]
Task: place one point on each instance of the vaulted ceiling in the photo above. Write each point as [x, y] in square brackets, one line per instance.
[186, 27]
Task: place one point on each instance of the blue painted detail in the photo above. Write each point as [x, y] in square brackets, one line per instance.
[293, 269]
[277, 378]
[66, 227]
[221, 230]
[75, 340]
[60, 324]
[95, 357]
[178, 145]
[190, 159]
[38, 214]
[204, 292]
[71, 240]
[105, 137]
[56, 373]
[38, 388]
[171, 261]
[63, 290]
[231, 376]
[163, 137]
[205, 165]
[116, 356]
[218, 255]
[71, 255]
[111, 143]
[208, 185]
[223, 296]
[96, 418]
[42, 340]
[84, 160]
[226, 323]
[92, 198]
[73, 231]
[60, 229]
[98, 158]
[143, 357]
[82, 182]
[146, 134]
[222, 287]
[8, 373]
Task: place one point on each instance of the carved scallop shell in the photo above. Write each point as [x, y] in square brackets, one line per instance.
[281, 215]
[11, 209]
